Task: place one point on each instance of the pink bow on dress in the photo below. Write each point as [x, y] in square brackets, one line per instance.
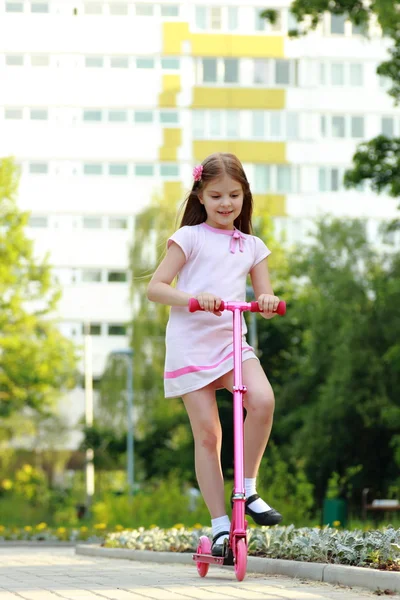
[237, 235]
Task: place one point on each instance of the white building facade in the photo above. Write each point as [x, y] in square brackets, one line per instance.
[106, 104]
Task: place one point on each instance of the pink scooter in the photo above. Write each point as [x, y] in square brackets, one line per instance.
[237, 548]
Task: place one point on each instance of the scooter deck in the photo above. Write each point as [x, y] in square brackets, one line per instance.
[226, 561]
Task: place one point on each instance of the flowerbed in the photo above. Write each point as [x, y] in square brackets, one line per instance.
[374, 549]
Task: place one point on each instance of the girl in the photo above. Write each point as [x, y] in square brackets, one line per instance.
[212, 253]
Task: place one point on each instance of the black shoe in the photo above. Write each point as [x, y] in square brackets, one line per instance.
[219, 549]
[269, 517]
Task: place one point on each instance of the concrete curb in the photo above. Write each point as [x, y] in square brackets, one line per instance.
[335, 574]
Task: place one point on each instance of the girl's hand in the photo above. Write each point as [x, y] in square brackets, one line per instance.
[209, 303]
[268, 304]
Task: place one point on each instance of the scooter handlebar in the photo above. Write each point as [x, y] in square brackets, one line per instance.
[195, 306]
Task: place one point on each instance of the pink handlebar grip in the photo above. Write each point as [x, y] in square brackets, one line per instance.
[194, 305]
[281, 310]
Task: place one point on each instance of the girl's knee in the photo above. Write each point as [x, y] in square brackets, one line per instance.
[260, 404]
[209, 437]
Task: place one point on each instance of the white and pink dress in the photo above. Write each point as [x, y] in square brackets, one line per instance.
[199, 346]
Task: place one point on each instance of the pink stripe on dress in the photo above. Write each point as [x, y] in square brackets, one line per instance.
[195, 368]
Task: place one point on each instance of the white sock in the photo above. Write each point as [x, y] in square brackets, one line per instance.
[250, 488]
[220, 524]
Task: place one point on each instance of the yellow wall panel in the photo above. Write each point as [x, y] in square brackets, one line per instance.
[221, 44]
[238, 46]
[254, 152]
[270, 204]
[214, 97]
[171, 86]
[172, 139]
[173, 191]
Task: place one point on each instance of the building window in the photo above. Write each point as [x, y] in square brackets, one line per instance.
[292, 126]
[262, 178]
[388, 126]
[357, 127]
[144, 10]
[356, 74]
[275, 125]
[92, 115]
[145, 63]
[119, 62]
[215, 123]
[231, 70]
[258, 124]
[40, 60]
[92, 223]
[260, 23]
[118, 169]
[323, 126]
[169, 10]
[170, 63]
[201, 17]
[233, 20]
[118, 8]
[284, 179]
[93, 8]
[14, 7]
[232, 123]
[39, 7]
[39, 114]
[328, 179]
[170, 117]
[118, 223]
[261, 71]
[143, 116]
[117, 116]
[282, 72]
[116, 330]
[36, 168]
[337, 72]
[91, 276]
[94, 61]
[144, 170]
[39, 222]
[93, 169]
[169, 170]
[117, 276]
[322, 180]
[338, 127]
[14, 60]
[13, 113]
[199, 123]
[95, 329]
[216, 17]
[337, 24]
[209, 70]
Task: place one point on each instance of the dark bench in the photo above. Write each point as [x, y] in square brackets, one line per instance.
[377, 505]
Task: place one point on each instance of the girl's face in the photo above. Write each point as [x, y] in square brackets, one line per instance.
[223, 201]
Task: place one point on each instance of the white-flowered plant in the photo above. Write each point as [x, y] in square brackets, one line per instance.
[379, 549]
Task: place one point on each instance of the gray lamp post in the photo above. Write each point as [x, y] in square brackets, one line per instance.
[127, 355]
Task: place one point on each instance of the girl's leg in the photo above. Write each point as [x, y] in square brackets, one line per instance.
[259, 403]
[203, 414]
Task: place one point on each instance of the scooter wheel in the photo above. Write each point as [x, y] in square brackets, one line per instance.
[204, 547]
[241, 559]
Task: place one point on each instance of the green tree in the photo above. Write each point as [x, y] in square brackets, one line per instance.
[339, 404]
[36, 362]
[376, 160]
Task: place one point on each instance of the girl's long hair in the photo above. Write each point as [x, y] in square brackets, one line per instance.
[215, 166]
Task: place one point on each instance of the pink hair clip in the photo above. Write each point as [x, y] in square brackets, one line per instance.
[198, 172]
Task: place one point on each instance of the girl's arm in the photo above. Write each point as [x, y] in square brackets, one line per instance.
[159, 288]
[263, 289]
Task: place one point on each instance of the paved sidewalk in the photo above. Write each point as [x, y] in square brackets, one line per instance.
[54, 573]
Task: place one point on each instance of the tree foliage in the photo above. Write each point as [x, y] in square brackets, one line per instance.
[36, 362]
